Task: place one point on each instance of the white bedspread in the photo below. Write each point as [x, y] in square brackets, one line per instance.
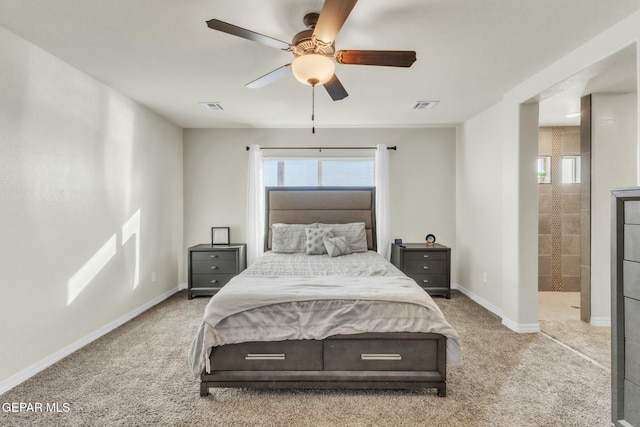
[356, 294]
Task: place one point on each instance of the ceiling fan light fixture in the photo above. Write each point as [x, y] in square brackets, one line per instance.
[312, 69]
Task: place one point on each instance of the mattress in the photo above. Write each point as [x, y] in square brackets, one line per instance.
[297, 296]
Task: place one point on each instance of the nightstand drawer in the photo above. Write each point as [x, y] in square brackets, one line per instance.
[430, 280]
[302, 355]
[377, 355]
[213, 255]
[424, 256]
[430, 267]
[213, 266]
[210, 280]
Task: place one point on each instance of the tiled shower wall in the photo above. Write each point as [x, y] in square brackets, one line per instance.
[558, 215]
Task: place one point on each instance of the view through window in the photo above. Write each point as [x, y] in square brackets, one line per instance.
[318, 172]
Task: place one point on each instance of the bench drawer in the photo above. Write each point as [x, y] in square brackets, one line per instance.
[380, 355]
[303, 355]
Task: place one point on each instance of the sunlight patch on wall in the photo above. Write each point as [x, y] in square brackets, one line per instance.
[90, 269]
[129, 229]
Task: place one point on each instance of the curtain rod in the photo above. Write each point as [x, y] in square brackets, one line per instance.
[323, 148]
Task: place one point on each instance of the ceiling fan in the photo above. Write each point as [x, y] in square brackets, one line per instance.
[314, 50]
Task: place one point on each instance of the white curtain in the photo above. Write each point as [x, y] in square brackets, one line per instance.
[255, 205]
[383, 227]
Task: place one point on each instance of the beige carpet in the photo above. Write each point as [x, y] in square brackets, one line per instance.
[592, 341]
[138, 375]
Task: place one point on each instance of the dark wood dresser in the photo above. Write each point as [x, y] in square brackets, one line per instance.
[211, 267]
[625, 307]
[429, 266]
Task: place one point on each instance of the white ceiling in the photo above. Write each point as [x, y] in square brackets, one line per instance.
[161, 53]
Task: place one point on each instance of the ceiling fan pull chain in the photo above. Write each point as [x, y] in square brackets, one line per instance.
[313, 108]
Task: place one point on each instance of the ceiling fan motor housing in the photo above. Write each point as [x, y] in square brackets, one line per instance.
[304, 43]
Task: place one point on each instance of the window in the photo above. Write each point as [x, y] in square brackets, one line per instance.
[570, 169]
[318, 172]
[544, 170]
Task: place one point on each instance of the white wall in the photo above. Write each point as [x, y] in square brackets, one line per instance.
[91, 194]
[479, 205]
[518, 196]
[614, 153]
[422, 176]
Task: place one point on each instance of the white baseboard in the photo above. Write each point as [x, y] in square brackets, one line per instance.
[183, 285]
[600, 321]
[522, 328]
[30, 371]
[483, 302]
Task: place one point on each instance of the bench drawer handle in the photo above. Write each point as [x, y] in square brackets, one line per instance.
[265, 356]
[425, 256]
[214, 256]
[214, 281]
[214, 267]
[425, 267]
[425, 281]
[380, 356]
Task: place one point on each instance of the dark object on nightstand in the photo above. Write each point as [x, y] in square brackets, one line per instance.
[429, 266]
[211, 267]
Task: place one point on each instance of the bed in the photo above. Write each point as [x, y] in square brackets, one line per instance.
[343, 319]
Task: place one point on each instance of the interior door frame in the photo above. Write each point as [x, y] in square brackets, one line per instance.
[585, 208]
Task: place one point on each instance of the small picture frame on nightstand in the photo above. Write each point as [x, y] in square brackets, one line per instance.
[219, 236]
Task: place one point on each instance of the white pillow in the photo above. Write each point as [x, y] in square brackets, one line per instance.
[355, 233]
[289, 238]
[337, 246]
[315, 240]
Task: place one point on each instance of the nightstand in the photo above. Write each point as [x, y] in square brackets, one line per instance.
[211, 267]
[429, 266]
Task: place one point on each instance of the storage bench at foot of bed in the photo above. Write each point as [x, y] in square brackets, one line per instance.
[363, 361]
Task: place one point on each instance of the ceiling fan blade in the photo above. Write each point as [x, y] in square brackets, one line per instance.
[335, 89]
[332, 17]
[270, 77]
[390, 58]
[225, 27]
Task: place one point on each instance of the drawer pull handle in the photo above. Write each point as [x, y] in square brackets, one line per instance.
[265, 356]
[426, 267]
[214, 267]
[214, 281]
[380, 356]
[425, 281]
[425, 256]
[214, 256]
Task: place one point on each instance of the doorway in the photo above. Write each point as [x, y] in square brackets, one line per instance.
[559, 222]
[608, 154]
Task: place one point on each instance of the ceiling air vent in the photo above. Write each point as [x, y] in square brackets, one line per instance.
[425, 105]
[215, 106]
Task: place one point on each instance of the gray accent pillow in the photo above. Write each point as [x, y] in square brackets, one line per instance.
[337, 246]
[289, 238]
[355, 233]
[315, 240]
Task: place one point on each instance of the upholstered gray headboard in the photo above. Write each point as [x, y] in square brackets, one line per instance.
[329, 205]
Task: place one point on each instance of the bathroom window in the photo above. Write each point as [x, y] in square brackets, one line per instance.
[544, 170]
[570, 169]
